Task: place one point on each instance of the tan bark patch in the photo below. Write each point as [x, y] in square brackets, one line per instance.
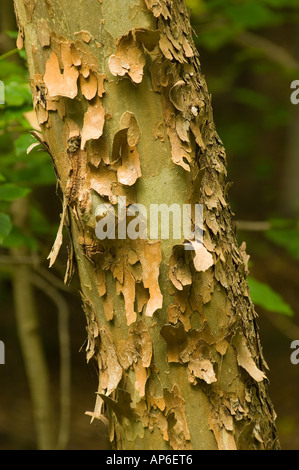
[137, 352]
[129, 59]
[94, 120]
[89, 85]
[59, 84]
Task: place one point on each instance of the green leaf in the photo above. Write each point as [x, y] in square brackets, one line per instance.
[12, 116]
[12, 71]
[17, 239]
[22, 143]
[264, 296]
[252, 98]
[215, 38]
[17, 94]
[12, 34]
[5, 226]
[197, 6]
[287, 239]
[40, 225]
[251, 14]
[38, 171]
[10, 192]
[22, 54]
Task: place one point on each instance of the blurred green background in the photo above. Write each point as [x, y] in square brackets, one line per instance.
[250, 56]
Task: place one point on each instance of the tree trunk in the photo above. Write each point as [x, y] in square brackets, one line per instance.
[7, 23]
[125, 111]
[27, 318]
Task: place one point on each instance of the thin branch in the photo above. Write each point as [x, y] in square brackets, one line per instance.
[253, 226]
[19, 259]
[9, 54]
[35, 261]
[284, 324]
[55, 281]
[274, 52]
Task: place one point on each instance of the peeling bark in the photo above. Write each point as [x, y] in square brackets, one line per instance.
[125, 111]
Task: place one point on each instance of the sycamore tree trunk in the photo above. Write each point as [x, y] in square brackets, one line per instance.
[124, 111]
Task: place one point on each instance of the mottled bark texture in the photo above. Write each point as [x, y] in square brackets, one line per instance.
[124, 110]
